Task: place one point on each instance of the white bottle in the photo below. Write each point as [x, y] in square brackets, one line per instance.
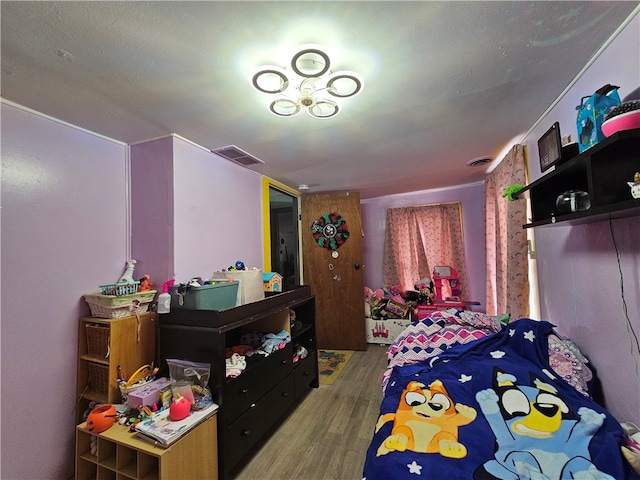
[164, 299]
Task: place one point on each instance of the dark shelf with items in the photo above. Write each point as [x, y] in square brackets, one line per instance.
[601, 171]
[253, 402]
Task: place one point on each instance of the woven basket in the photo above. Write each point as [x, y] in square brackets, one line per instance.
[120, 289]
[98, 378]
[98, 340]
[112, 306]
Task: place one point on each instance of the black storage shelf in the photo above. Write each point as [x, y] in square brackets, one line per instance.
[602, 171]
[253, 403]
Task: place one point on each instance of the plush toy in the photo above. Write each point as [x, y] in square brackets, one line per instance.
[368, 299]
[425, 290]
[145, 284]
[509, 192]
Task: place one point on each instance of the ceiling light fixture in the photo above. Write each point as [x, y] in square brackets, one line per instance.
[307, 83]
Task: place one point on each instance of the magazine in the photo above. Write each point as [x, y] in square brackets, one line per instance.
[163, 431]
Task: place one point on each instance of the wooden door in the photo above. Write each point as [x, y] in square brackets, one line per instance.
[335, 273]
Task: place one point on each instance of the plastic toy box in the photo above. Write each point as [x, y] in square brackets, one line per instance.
[220, 296]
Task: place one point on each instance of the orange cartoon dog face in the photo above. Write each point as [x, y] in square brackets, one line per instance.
[420, 403]
[426, 421]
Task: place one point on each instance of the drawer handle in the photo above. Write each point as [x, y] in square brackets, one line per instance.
[283, 362]
[246, 433]
[306, 374]
[285, 394]
[244, 390]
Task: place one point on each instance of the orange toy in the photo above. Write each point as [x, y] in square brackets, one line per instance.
[101, 418]
[145, 284]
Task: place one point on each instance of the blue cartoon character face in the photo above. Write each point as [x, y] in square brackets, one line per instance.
[537, 434]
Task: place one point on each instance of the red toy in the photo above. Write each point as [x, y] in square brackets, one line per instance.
[145, 284]
[180, 408]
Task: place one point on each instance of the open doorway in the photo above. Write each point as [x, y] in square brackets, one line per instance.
[282, 249]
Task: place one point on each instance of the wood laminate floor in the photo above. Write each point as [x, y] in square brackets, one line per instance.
[326, 436]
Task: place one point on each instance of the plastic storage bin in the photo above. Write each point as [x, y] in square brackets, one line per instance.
[219, 296]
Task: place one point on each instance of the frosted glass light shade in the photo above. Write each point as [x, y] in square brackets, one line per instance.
[344, 84]
[310, 61]
[284, 107]
[270, 79]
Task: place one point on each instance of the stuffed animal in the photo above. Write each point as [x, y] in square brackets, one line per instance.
[145, 284]
[368, 299]
[509, 192]
[425, 290]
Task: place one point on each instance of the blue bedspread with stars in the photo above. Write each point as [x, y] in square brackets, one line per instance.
[493, 409]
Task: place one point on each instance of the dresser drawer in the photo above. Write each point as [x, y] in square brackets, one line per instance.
[305, 374]
[249, 428]
[261, 374]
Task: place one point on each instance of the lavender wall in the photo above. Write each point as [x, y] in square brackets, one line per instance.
[152, 207]
[193, 212]
[580, 284]
[217, 213]
[65, 231]
[64, 211]
[472, 199]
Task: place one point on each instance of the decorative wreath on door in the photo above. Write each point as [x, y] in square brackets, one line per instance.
[330, 231]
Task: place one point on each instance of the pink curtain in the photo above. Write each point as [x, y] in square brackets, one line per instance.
[506, 240]
[420, 238]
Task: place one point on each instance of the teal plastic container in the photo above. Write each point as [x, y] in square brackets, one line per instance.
[220, 296]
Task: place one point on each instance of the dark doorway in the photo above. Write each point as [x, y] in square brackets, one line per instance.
[285, 249]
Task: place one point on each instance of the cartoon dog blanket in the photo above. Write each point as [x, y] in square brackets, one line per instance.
[493, 409]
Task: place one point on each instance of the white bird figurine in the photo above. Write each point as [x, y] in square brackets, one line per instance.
[127, 276]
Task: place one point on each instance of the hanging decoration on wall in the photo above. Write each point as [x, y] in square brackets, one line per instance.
[330, 231]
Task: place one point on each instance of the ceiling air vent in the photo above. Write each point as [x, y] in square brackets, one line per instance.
[237, 155]
[476, 162]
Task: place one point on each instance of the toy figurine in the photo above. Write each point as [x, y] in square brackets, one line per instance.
[509, 192]
[145, 284]
[635, 185]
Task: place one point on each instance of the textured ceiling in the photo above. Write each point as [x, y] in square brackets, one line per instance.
[445, 82]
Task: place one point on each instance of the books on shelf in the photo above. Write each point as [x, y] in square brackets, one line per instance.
[162, 431]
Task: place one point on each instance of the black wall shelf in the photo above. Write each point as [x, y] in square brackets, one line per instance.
[602, 171]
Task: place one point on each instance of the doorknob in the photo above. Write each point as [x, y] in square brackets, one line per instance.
[356, 266]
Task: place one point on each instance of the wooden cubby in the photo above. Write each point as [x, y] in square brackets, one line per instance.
[120, 455]
[127, 345]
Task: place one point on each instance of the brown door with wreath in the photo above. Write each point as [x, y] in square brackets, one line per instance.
[331, 234]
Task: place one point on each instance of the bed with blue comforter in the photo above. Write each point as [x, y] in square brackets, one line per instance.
[469, 397]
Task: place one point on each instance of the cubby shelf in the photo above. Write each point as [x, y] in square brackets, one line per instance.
[127, 341]
[601, 171]
[120, 455]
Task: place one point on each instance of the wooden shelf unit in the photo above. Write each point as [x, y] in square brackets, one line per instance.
[251, 404]
[121, 455]
[126, 346]
[602, 171]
